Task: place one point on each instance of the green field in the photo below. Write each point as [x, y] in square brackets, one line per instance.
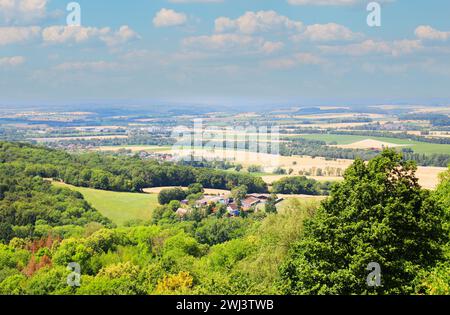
[418, 147]
[118, 206]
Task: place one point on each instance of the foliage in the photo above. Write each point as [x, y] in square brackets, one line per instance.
[296, 185]
[167, 195]
[378, 214]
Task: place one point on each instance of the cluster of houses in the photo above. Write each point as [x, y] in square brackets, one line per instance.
[249, 203]
[163, 157]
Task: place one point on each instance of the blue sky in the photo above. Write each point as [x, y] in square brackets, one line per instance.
[304, 51]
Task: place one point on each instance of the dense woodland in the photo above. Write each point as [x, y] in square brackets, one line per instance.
[119, 173]
[379, 213]
[300, 185]
[30, 206]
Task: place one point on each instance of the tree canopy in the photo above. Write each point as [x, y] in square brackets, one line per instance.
[380, 214]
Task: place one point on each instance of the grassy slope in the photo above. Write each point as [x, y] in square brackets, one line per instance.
[418, 147]
[117, 206]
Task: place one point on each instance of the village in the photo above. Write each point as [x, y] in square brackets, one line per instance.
[234, 207]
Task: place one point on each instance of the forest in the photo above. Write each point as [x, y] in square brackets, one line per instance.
[119, 173]
[378, 213]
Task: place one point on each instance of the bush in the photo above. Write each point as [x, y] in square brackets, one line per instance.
[167, 195]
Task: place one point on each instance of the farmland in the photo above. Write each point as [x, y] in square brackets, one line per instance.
[119, 207]
[419, 147]
[124, 227]
[428, 176]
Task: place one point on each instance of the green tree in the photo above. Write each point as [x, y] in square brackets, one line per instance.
[195, 188]
[296, 185]
[167, 195]
[221, 210]
[239, 193]
[271, 204]
[443, 190]
[254, 169]
[379, 213]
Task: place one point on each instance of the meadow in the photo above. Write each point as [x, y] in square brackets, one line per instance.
[418, 147]
[118, 206]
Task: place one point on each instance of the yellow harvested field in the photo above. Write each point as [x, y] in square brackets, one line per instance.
[442, 110]
[341, 115]
[326, 125]
[439, 134]
[270, 179]
[268, 161]
[369, 144]
[428, 176]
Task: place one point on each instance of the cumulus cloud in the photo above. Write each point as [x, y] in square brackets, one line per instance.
[323, 2]
[333, 2]
[15, 34]
[168, 17]
[426, 32]
[232, 42]
[90, 65]
[195, 1]
[11, 61]
[22, 11]
[295, 60]
[368, 47]
[327, 32]
[59, 34]
[254, 22]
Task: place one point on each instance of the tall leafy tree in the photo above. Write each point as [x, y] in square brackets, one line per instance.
[380, 214]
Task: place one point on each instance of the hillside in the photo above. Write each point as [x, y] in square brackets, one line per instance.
[119, 207]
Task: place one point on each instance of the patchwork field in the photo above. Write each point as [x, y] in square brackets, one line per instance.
[370, 144]
[117, 206]
[428, 176]
[418, 147]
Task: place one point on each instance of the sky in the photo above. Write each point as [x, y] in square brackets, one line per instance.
[234, 51]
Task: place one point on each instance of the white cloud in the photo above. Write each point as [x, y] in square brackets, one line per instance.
[426, 32]
[91, 65]
[22, 11]
[59, 34]
[78, 34]
[167, 17]
[327, 32]
[13, 35]
[272, 47]
[123, 35]
[232, 43]
[333, 2]
[195, 1]
[295, 60]
[369, 47]
[254, 22]
[11, 61]
[323, 2]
